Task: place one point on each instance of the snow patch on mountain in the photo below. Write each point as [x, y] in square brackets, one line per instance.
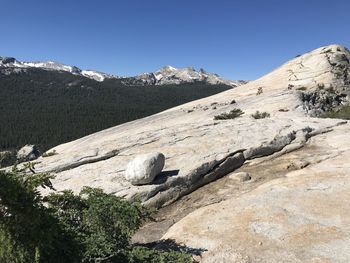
[170, 75]
[165, 76]
[9, 62]
[96, 75]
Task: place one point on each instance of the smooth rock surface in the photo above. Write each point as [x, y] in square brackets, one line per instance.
[198, 148]
[144, 168]
[241, 176]
[301, 217]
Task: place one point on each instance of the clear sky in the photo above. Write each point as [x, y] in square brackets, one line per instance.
[238, 39]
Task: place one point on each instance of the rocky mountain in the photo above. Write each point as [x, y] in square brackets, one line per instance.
[290, 204]
[170, 75]
[11, 65]
[165, 76]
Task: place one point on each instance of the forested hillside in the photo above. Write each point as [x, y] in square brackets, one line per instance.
[48, 108]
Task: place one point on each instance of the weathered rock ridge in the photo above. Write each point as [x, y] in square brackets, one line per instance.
[301, 216]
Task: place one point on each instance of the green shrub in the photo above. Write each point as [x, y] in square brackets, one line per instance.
[63, 227]
[7, 158]
[320, 86]
[302, 88]
[235, 113]
[260, 115]
[28, 231]
[330, 89]
[342, 113]
[142, 254]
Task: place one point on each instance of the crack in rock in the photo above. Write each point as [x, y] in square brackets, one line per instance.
[66, 167]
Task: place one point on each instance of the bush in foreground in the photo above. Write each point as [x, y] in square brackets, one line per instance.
[63, 227]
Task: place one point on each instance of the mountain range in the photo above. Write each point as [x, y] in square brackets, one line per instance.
[48, 103]
[165, 76]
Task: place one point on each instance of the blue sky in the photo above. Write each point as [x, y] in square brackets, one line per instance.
[236, 39]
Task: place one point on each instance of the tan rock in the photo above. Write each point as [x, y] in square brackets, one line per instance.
[199, 149]
[303, 217]
[241, 176]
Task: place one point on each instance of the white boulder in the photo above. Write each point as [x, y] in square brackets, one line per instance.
[28, 153]
[144, 168]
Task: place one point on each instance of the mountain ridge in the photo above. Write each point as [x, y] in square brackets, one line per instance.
[167, 75]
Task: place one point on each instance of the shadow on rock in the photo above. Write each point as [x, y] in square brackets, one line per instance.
[171, 245]
[163, 176]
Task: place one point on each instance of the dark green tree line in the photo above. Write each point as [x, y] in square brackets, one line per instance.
[48, 108]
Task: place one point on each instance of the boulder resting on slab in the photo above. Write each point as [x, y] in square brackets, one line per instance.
[144, 168]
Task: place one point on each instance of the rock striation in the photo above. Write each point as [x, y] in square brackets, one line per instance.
[302, 216]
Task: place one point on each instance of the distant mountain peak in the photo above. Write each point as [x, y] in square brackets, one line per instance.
[7, 60]
[10, 62]
[168, 68]
[170, 75]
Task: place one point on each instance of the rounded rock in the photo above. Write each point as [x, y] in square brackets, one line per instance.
[241, 176]
[144, 168]
[28, 153]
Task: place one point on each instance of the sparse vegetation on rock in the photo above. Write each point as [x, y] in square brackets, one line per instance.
[342, 113]
[260, 115]
[302, 88]
[260, 91]
[48, 154]
[324, 99]
[235, 113]
[320, 85]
